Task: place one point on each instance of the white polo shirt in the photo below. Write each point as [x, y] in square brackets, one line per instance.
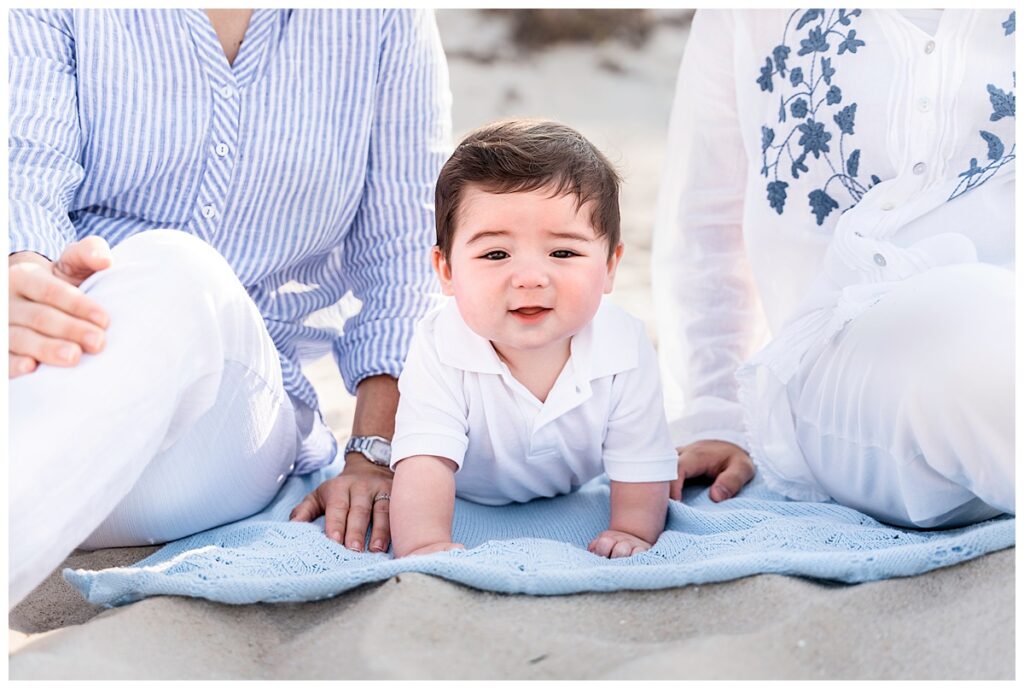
[603, 415]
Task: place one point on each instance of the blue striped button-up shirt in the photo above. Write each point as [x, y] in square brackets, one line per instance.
[308, 164]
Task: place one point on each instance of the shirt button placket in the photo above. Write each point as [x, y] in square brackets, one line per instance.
[217, 178]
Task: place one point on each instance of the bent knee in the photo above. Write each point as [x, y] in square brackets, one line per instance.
[172, 261]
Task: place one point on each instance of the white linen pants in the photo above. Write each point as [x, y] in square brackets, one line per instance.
[179, 425]
[908, 413]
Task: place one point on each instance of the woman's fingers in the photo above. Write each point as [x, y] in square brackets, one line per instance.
[380, 535]
[83, 258]
[307, 510]
[49, 321]
[46, 350]
[348, 508]
[54, 323]
[358, 519]
[20, 365]
[37, 283]
[738, 471]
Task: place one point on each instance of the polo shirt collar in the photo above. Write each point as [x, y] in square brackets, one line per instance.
[459, 347]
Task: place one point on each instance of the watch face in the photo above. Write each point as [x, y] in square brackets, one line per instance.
[380, 451]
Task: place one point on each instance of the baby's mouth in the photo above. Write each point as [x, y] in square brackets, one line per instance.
[530, 314]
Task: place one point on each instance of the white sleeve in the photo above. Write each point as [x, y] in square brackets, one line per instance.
[709, 314]
[637, 446]
[432, 414]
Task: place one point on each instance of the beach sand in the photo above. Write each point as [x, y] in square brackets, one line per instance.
[952, 623]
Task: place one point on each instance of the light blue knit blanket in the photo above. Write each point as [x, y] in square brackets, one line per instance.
[540, 548]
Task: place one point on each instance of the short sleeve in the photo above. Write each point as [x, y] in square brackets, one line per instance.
[432, 415]
[637, 446]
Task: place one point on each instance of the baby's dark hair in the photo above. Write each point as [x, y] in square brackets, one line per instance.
[526, 155]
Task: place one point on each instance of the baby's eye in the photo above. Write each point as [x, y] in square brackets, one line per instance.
[564, 253]
[495, 255]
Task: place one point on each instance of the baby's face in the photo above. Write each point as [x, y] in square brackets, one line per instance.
[527, 270]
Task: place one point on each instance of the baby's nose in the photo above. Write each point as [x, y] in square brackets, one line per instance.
[529, 277]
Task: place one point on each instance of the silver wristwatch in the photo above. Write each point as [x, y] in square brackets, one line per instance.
[373, 447]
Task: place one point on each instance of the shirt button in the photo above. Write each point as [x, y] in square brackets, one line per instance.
[209, 211]
[929, 47]
[880, 260]
[227, 91]
[222, 150]
[919, 168]
[924, 104]
[888, 206]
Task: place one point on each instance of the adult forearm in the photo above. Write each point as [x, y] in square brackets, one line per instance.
[376, 404]
[422, 503]
[639, 508]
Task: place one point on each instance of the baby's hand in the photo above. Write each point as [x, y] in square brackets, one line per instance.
[435, 548]
[613, 543]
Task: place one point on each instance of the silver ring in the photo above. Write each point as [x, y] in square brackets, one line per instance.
[381, 496]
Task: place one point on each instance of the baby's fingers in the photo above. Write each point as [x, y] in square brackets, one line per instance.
[602, 545]
[622, 549]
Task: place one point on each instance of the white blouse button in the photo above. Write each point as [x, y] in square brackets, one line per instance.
[888, 206]
[227, 91]
[880, 260]
[209, 211]
[929, 47]
[222, 150]
[919, 168]
[924, 104]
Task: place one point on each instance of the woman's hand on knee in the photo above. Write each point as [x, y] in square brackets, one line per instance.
[50, 320]
[729, 465]
[351, 503]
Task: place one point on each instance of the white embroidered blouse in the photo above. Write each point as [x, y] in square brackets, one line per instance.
[815, 156]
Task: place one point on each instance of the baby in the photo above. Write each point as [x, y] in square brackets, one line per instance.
[528, 384]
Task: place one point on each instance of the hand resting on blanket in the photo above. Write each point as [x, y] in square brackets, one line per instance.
[728, 465]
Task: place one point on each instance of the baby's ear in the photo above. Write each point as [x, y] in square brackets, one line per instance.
[443, 271]
[613, 263]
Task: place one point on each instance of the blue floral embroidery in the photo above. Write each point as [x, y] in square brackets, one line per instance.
[822, 204]
[853, 163]
[826, 69]
[810, 103]
[845, 117]
[777, 195]
[851, 43]
[814, 43]
[1004, 104]
[815, 139]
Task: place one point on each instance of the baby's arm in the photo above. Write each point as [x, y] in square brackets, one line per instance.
[638, 518]
[422, 505]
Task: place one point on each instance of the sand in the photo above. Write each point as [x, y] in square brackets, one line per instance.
[953, 623]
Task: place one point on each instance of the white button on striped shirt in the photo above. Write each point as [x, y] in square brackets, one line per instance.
[308, 164]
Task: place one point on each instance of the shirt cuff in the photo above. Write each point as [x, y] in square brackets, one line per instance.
[42, 238]
[642, 471]
[374, 349]
[451, 447]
